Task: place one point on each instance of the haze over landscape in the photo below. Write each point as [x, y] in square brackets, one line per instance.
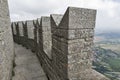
[107, 11]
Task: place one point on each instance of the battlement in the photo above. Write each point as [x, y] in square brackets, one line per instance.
[63, 43]
[6, 43]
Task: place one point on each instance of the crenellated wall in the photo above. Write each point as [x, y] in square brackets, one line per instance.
[6, 43]
[63, 43]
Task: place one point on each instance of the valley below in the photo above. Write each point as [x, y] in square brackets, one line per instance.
[107, 56]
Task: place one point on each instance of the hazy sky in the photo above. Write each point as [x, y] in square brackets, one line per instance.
[108, 11]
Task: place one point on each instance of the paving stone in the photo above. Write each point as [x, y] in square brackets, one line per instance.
[27, 65]
[40, 78]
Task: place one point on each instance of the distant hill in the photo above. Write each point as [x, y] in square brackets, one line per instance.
[107, 62]
[107, 54]
[109, 35]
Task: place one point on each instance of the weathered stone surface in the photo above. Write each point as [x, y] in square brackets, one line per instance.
[30, 29]
[55, 21]
[46, 35]
[38, 21]
[6, 42]
[79, 18]
[45, 21]
[25, 31]
[24, 38]
[63, 44]
[73, 37]
[27, 65]
[36, 31]
[56, 18]
[87, 74]
[20, 25]
[74, 33]
[14, 28]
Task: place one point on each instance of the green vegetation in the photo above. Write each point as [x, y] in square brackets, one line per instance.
[107, 62]
[114, 64]
[107, 54]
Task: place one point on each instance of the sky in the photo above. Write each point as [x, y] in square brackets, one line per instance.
[108, 11]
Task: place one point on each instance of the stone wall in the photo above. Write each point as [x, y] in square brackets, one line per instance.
[63, 43]
[6, 42]
[46, 35]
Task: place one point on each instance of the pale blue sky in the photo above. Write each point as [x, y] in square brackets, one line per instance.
[108, 15]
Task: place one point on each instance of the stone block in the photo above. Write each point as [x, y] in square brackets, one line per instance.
[25, 31]
[14, 28]
[60, 46]
[39, 21]
[30, 29]
[45, 35]
[88, 74]
[17, 29]
[79, 66]
[79, 56]
[45, 21]
[64, 43]
[20, 24]
[79, 18]
[55, 20]
[6, 43]
[74, 33]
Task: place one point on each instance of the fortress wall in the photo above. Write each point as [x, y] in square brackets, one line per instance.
[13, 27]
[63, 44]
[6, 43]
[20, 24]
[21, 34]
[46, 35]
[44, 48]
[76, 39]
[59, 58]
[25, 34]
[35, 23]
[37, 30]
[30, 29]
[17, 36]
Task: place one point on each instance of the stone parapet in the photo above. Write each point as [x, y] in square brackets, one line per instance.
[63, 43]
[6, 43]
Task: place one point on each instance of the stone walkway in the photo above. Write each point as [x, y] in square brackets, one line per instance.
[27, 66]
